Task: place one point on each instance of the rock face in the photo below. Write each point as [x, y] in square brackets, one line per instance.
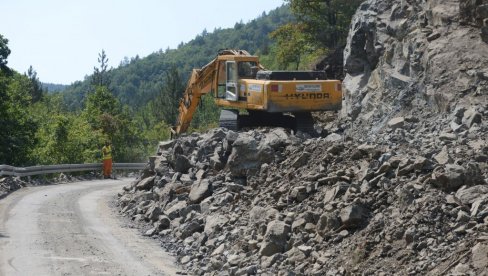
[414, 57]
[396, 183]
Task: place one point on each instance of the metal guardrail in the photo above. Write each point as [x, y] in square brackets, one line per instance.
[37, 170]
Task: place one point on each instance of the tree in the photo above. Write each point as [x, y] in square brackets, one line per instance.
[18, 127]
[168, 99]
[100, 77]
[4, 53]
[99, 103]
[292, 44]
[326, 20]
[36, 86]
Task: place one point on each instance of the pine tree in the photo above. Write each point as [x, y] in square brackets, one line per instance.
[100, 76]
[36, 91]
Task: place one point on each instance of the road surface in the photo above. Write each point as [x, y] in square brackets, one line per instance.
[70, 229]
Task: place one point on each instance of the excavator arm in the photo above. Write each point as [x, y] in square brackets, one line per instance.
[199, 84]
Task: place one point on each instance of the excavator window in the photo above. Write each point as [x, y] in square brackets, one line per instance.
[245, 69]
[231, 76]
[231, 87]
[221, 80]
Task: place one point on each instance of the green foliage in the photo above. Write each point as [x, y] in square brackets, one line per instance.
[100, 77]
[160, 131]
[36, 90]
[18, 127]
[206, 116]
[167, 101]
[327, 21]
[4, 53]
[292, 44]
[106, 116]
[321, 26]
[100, 104]
[53, 87]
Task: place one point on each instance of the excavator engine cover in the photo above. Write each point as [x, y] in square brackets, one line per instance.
[291, 75]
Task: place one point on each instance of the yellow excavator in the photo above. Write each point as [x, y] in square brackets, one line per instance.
[238, 81]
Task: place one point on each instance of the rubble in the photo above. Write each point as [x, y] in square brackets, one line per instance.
[350, 207]
[398, 184]
[10, 184]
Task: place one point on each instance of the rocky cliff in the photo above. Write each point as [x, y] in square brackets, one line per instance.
[397, 185]
[415, 58]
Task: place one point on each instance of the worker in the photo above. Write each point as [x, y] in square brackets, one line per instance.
[107, 160]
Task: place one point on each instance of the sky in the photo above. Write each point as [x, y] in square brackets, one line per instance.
[62, 39]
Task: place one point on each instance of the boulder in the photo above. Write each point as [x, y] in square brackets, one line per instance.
[277, 138]
[471, 117]
[248, 155]
[166, 145]
[199, 191]
[468, 195]
[295, 255]
[173, 211]
[397, 122]
[145, 184]
[301, 160]
[181, 163]
[333, 137]
[299, 193]
[480, 256]
[262, 215]
[216, 162]
[158, 164]
[164, 222]
[446, 137]
[188, 209]
[214, 224]
[452, 176]
[353, 215]
[187, 229]
[275, 239]
[153, 213]
[443, 156]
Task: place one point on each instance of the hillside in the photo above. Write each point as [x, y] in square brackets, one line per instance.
[53, 87]
[138, 80]
[398, 185]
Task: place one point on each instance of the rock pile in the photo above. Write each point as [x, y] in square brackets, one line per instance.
[269, 202]
[10, 184]
[396, 185]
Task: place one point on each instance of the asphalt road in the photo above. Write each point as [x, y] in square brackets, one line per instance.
[70, 229]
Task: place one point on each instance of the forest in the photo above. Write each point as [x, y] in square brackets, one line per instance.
[134, 105]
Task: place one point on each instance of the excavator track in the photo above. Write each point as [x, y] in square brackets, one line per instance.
[232, 120]
[263, 119]
[229, 118]
[304, 122]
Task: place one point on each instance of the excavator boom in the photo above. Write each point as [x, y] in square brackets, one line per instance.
[199, 84]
